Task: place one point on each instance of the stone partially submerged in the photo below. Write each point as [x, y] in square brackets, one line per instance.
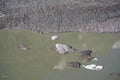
[63, 49]
[73, 64]
[86, 55]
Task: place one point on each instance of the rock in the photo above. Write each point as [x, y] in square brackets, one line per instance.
[63, 49]
[73, 64]
[93, 67]
[54, 37]
[86, 55]
[116, 45]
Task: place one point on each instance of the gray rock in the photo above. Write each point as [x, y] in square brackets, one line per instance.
[63, 48]
[86, 55]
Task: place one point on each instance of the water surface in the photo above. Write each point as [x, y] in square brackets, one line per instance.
[38, 62]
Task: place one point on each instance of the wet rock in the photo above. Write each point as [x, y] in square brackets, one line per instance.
[73, 64]
[86, 55]
[63, 49]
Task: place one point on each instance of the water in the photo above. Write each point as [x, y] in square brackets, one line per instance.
[43, 63]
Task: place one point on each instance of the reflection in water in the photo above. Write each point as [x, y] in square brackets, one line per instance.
[61, 64]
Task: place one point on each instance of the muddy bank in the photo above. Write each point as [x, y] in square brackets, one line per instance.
[61, 15]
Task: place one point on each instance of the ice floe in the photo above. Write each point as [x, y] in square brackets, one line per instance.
[93, 67]
[54, 37]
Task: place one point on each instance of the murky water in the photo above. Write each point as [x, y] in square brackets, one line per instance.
[43, 63]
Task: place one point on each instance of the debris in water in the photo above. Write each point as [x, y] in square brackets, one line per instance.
[86, 55]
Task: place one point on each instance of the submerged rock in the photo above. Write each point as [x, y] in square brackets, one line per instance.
[73, 64]
[63, 49]
[86, 55]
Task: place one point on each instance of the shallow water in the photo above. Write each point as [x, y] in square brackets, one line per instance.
[43, 63]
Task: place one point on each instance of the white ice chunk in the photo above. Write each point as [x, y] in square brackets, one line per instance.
[99, 67]
[54, 37]
[93, 67]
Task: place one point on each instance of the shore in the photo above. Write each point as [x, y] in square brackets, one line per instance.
[61, 16]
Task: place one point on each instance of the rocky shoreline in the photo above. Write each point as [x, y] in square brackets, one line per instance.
[62, 16]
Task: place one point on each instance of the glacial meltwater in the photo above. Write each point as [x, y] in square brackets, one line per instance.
[36, 58]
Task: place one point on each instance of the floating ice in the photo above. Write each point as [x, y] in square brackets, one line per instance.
[54, 37]
[93, 67]
[63, 48]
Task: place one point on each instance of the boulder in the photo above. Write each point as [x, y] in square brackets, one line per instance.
[86, 55]
[63, 49]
